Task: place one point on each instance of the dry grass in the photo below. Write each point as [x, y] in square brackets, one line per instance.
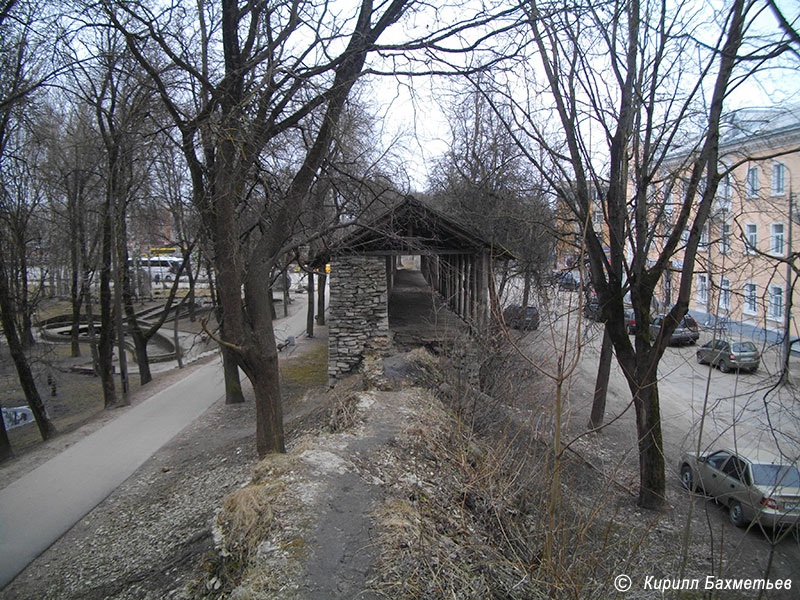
[343, 415]
[466, 518]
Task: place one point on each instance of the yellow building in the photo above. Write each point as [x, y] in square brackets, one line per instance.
[741, 270]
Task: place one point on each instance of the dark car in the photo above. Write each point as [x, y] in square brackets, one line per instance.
[687, 331]
[518, 318]
[728, 355]
[566, 280]
[591, 310]
[630, 321]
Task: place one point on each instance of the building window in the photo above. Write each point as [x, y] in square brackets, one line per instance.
[775, 310]
[750, 298]
[685, 235]
[725, 293]
[703, 247]
[597, 215]
[751, 186]
[724, 193]
[725, 239]
[702, 289]
[776, 239]
[778, 178]
[751, 237]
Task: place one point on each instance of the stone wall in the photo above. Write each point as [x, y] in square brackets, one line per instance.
[358, 315]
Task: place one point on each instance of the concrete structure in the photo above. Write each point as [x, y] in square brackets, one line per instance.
[453, 260]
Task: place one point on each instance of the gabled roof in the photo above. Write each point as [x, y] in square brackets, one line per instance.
[409, 227]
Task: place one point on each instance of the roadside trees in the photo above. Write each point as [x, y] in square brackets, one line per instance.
[26, 33]
[485, 180]
[238, 80]
[611, 90]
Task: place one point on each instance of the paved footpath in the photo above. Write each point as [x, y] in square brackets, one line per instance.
[42, 505]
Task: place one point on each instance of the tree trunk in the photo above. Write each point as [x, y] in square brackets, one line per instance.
[321, 297]
[24, 307]
[230, 367]
[91, 331]
[119, 324]
[5, 444]
[75, 297]
[105, 347]
[526, 289]
[269, 412]
[601, 384]
[260, 362]
[310, 312]
[24, 372]
[176, 340]
[233, 382]
[652, 479]
[191, 279]
[140, 348]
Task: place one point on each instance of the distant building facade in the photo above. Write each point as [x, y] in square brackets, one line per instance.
[740, 275]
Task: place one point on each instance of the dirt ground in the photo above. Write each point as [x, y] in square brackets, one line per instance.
[154, 536]
[716, 545]
[147, 539]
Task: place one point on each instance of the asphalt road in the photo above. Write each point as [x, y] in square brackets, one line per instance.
[42, 505]
[698, 404]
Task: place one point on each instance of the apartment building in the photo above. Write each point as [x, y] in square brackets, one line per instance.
[741, 271]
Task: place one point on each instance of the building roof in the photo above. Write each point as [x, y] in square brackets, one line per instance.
[768, 124]
[408, 227]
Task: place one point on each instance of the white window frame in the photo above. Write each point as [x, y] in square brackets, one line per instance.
[702, 288]
[725, 239]
[777, 239]
[725, 293]
[724, 193]
[750, 292]
[778, 179]
[703, 244]
[750, 237]
[751, 182]
[775, 308]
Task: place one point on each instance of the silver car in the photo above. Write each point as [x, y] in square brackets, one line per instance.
[687, 331]
[728, 355]
[756, 486]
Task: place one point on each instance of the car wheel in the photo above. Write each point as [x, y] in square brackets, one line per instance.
[687, 479]
[736, 514]
[723, 366]
[700, 360]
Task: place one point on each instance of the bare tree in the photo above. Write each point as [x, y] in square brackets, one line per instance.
[263, 71]
[624, 75]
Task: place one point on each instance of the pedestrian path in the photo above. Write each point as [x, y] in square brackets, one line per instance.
[42, 505]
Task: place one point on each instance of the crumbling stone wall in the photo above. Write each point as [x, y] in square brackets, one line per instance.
[358, 315]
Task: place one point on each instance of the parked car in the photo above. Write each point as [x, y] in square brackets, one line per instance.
[728, 355]
[591, 310]
[517, 318]
[566, 280]
[687, 331]
[630, 321]
[756, 485]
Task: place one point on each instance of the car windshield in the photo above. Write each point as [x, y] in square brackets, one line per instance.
[743, 347]
[776, 475]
